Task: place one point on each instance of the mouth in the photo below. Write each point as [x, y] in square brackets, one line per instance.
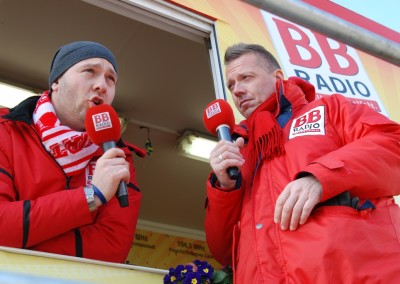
[96, 100]
[243, 103]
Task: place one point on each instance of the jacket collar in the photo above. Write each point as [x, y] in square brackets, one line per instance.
[293, 93]
[23, 111]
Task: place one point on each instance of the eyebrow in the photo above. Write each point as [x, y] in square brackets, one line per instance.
[111, 69]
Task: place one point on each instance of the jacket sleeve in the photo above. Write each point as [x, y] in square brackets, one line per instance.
[56, 220]
[109, 235]
[368, 161]
[222, 214]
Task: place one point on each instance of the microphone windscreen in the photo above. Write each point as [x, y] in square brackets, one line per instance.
[217, 113]
[102, 124]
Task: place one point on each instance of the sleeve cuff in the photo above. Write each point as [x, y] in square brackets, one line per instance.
[215, 183]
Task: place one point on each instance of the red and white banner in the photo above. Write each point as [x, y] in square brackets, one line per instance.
[331, 66]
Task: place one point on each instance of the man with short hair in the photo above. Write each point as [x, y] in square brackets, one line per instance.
[314, 199]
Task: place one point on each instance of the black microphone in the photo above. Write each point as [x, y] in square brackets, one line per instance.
[219, 120]
[104, 129]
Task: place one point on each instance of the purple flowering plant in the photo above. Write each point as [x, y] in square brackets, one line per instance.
[198, 272]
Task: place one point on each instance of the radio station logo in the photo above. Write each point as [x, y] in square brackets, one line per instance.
[331, 66]
[101, 121]
[213, 110]
[310, 123]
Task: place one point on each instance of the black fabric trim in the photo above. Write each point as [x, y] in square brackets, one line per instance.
[26, 222]
[283, 101]
[78, 243]
[120, 143]
[235, 135]
[134, 187]
[213, 181]
[285, 111]
[6, 173]
[342, 199]
[24, 110]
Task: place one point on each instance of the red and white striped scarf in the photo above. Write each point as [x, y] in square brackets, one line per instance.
[71, 149]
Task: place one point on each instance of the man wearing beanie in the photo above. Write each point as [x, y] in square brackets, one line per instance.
[57, 188]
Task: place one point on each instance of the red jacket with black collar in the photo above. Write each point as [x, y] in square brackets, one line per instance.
[42, 209]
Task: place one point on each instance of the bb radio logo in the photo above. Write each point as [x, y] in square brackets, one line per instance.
[310, 123]
[101, 121]
[213, 110]
[329, 65]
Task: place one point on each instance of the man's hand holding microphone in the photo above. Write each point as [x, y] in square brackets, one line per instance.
[225, 158]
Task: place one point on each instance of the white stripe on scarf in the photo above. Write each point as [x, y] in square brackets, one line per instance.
[84, 152]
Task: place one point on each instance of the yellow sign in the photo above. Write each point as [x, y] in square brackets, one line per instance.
[163, 251]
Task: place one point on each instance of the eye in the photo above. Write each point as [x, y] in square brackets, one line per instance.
[229, 86]
[89, 70]
[112, 79]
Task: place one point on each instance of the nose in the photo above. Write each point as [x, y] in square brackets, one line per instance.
[238, 89]
[100, 85]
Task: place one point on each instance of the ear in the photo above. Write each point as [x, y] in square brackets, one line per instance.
[279, 74]
[54, 86]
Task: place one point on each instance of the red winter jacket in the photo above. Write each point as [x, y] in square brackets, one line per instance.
[347, 147]
[42, 209]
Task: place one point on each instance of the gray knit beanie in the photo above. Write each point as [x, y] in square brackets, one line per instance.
[72, 53]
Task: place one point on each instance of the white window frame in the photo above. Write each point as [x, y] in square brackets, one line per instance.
[174, 19]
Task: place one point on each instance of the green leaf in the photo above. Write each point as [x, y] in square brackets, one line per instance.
[219, 276]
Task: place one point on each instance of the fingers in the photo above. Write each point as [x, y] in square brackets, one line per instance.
[239, 142]
[113, 153]
[111, 168]
[226, 151]
[280, 203]
[296, 202]
[226, 154]
[297, 214]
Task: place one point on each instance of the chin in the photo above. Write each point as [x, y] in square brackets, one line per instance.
[247, 112]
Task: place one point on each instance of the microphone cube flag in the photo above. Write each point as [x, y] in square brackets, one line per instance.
[218, 113]
[102, 124]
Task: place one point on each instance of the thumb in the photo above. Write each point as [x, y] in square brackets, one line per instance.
[239, 142]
